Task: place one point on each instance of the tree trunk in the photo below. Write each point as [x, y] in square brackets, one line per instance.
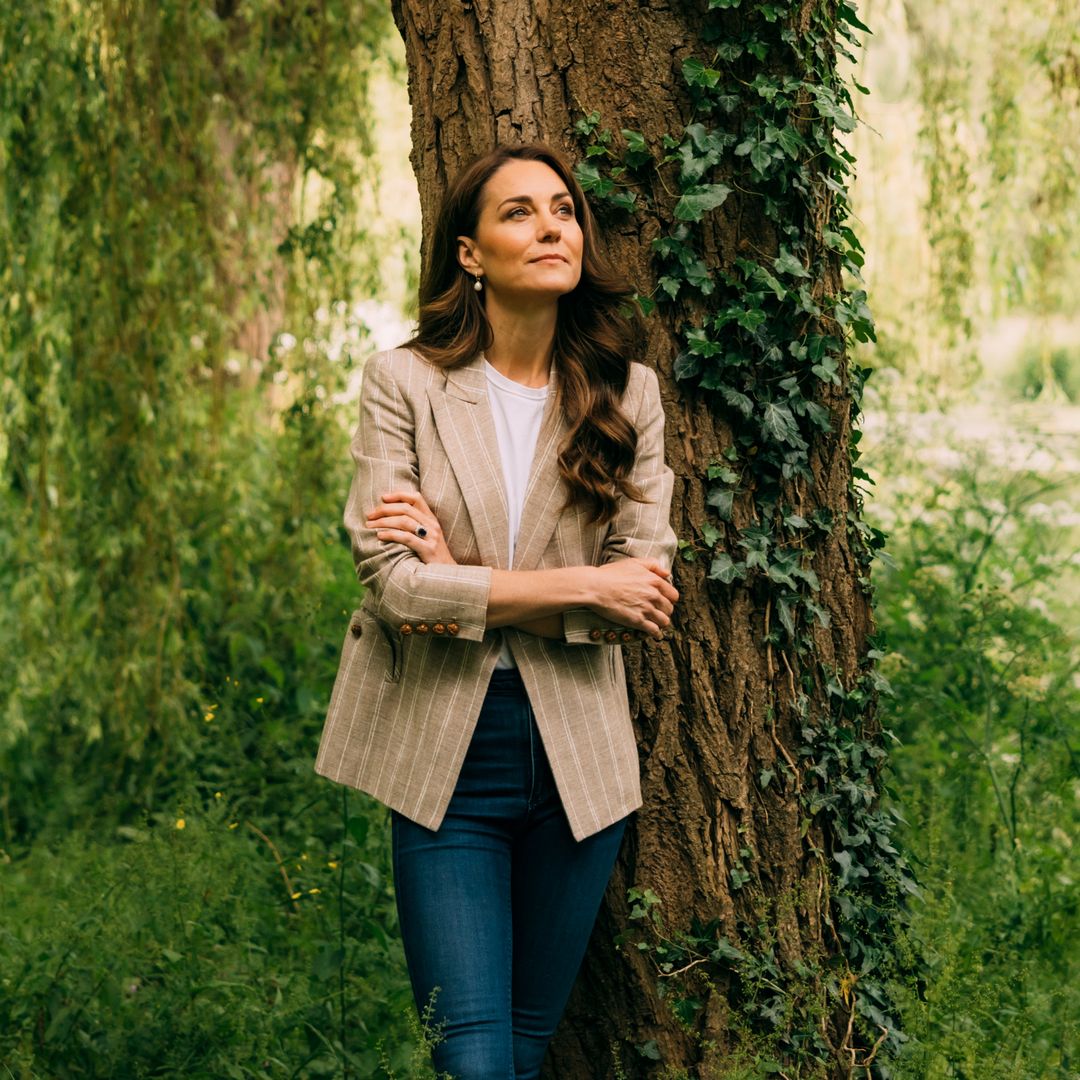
[715, 705]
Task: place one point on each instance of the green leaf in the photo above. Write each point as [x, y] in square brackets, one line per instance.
[787, 263]
[779, 424]
[696, 73]
[699, 200]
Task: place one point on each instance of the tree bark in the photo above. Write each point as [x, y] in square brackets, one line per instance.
[516, 70]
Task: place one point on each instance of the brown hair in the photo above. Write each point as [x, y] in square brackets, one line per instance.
[597, 333]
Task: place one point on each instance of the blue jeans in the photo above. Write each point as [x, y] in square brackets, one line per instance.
[496, 907]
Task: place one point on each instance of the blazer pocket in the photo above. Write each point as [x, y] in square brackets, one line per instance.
[363, 622]
[394, 646]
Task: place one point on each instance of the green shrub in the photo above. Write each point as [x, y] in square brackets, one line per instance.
[983, 665]
[193, 945]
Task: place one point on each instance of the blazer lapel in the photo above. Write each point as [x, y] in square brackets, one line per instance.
[463, 418]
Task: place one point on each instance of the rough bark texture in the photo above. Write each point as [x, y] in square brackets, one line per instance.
[513, 70]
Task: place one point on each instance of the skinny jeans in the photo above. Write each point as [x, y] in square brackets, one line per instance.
[496, 907]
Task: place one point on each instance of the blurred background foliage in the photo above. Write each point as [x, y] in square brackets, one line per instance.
[208, 221]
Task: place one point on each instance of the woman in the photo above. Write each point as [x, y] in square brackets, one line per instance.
[509, 521]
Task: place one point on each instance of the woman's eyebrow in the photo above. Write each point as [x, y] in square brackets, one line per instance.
[528, 198]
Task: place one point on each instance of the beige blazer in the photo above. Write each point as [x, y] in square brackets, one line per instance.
[417, 655]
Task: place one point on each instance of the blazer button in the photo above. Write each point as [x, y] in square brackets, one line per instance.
[405, 628]
[422, 628]
[357, 629]
[628, 635]
[612, 635]
[452, 628]
[594, 633]
[439, 628]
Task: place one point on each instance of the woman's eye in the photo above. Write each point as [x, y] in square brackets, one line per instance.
[521, 209]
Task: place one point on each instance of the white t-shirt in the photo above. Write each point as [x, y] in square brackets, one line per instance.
[517, 411]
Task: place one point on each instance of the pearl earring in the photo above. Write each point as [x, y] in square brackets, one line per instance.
[477, 286]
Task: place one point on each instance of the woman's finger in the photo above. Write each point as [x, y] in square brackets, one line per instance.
[402, 536]
[395, 508]
[411, 498]
[396, 521]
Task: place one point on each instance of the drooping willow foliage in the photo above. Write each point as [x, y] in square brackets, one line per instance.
[177, 180]
[969, 190]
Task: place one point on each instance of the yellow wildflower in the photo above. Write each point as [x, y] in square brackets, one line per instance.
[180, 823]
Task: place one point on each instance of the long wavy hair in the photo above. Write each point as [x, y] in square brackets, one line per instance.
[598, 332]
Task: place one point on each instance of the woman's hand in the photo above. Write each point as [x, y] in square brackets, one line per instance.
[400, 515]
[635, 592]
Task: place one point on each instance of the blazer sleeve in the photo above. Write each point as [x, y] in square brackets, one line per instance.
[406, 590]
[638, 530]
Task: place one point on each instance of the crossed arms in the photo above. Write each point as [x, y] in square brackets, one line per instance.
[553, 602]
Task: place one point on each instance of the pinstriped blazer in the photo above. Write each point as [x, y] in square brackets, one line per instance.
[417, 655]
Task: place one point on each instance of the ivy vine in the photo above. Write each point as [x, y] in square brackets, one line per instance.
[769, 355]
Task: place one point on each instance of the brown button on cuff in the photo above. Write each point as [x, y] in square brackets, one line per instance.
[452, 628]
[612, 635]
[422, 628]
[628, 635]
[594, 633]
[405, 628]
[356, 628]
[439, 628]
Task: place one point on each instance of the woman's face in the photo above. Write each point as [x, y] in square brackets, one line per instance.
[526, 213]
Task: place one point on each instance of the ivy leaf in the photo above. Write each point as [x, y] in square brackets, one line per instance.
[787, 263]
[790, 140]
[697, 74]
[826, 369]
[760, 156]
[670, 285]
[738, 401]
[646, 303]
[779, 424]
[588, 176]
[686, 366]
[701, 343]
[697, 274]
[781, 569]
[624, 200]
[724, 950]
[721, 499]
[849, 870]
[723, 569]
[847, 13]
[695, 202]
[823, 617]
[637, 150]
[787, 617]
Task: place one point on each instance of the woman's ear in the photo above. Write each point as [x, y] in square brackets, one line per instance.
[465, 255]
